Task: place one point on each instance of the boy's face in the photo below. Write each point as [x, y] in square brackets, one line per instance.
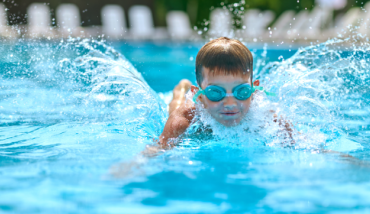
[230, 110]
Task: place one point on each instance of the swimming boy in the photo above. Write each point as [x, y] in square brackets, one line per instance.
[224, 73]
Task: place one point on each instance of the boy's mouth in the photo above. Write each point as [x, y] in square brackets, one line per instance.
[229, 113]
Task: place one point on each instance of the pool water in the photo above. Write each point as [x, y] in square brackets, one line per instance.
[163, 65]
[72, 110]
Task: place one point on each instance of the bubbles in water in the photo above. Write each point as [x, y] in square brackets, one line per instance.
[80, 81]
[322, 91]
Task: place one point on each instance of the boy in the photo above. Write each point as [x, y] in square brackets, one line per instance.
[224, 73]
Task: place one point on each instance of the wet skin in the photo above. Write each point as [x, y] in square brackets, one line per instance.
[230, 110]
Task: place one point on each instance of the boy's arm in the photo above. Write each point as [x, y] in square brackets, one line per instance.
[179, 120]
[181, 116]
[177, 123]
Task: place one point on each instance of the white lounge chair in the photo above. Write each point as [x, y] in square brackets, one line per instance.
[331, 4]
[320, 19]
[3, 16]
[350, 18]
[221, 23]
[114, 21]
[282, 25]
[256, 22]
[5, 29]
[141, 22]
[299, 23]
[39, 20]
[178, 24]
[364, 27]
[68, 19]
[142, 26]
[266, 18]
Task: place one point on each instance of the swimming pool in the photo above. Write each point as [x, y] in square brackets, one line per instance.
[69, 111]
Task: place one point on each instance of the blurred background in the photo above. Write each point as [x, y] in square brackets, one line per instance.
[179, 20]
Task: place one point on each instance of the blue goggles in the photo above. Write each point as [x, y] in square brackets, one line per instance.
[241, 92]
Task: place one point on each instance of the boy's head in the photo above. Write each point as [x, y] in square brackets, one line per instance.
[226, 63]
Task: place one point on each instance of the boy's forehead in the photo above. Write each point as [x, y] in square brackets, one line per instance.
[217, 74]
[219, 77]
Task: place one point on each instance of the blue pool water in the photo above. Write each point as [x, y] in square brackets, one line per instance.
[70, 112]
[163, 65]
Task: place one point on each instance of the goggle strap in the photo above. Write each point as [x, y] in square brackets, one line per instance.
[260, 88]
[200, 91]
[270, 94]
[257, 88]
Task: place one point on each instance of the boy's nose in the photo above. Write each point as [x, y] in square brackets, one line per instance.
[230, 102]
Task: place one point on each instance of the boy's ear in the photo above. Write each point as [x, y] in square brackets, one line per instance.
[256, 83]
[194, 89]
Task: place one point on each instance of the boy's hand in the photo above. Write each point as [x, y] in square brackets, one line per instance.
[177, 123]
[128, 169]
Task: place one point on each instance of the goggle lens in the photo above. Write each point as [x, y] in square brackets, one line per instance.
[216, 93]
[242, 92]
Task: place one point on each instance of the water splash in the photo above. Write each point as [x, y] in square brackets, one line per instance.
[322, 90]
[70, 110]
[76, 87]
[319, 88]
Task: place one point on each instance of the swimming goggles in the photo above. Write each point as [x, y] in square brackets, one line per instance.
[241, 92]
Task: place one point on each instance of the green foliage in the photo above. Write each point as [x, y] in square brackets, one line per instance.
[237, 7]
[201, 9]
[198, 10]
